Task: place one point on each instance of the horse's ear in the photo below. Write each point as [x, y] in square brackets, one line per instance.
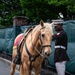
[52, 23]
[42, 23]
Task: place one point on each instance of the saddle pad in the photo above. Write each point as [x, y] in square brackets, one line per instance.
[18, 39]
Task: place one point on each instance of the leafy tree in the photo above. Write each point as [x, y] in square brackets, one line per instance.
[44, 9]
[35, 10]
[67, 7]
[8, 9]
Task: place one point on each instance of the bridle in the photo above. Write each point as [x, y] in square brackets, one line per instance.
[40, 53]
[42, 46]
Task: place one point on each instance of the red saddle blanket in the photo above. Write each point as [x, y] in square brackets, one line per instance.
[18, 39]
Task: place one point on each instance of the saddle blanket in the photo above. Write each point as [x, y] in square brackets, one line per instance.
[18, 39]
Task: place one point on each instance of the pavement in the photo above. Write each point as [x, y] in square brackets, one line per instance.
[5, 68]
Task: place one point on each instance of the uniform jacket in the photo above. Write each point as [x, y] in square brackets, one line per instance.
[60, 46]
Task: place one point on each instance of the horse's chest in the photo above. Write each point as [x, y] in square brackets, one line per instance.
[37, 62]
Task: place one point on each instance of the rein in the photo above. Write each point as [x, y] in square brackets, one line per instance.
[42, 46]
[40, 53]
[32, 57]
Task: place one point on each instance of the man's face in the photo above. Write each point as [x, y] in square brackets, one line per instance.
[57, 28]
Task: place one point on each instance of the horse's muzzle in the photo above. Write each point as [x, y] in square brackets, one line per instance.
[47, 54]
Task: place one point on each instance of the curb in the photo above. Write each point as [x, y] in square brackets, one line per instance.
[8, 62]
[18, 68]
[5, 60]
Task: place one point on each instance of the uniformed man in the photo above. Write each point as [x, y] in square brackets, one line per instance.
[60, 55]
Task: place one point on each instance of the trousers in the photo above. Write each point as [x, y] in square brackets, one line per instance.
[60, 67]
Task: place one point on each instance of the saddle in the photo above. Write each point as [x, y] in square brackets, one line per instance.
[19, 42]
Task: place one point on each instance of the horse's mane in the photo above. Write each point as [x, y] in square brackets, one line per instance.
[47, 25]
[29, 29]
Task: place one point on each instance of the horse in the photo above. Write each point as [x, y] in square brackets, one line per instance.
[34, 48]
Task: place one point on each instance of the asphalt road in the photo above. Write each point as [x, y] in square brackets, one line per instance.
[5, 69]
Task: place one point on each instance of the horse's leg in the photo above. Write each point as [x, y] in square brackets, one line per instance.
[12, 71]
[14, 53]
[21, 70]
[29, 72]
[37, 70]
[26, 69]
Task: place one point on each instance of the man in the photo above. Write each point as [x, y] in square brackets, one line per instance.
[60, 55]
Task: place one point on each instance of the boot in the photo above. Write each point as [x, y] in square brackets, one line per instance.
[17, 60]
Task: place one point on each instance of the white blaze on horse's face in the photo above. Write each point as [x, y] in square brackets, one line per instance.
[46, 37]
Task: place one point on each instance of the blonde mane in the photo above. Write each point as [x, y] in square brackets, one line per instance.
[47, 25]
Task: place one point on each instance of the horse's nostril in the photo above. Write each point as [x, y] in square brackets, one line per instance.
[47, 54]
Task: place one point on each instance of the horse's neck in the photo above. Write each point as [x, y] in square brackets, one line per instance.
[35, 36]
[33, 40]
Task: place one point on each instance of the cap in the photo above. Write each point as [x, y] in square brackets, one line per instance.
[58, 22]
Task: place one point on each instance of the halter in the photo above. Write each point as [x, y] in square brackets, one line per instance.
[32, 57]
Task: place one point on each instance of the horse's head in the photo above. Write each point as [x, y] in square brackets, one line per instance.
[41, 38]
[46, 37]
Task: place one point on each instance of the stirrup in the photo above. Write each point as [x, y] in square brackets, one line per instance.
[17, 60]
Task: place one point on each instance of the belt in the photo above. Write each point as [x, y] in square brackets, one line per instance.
[60, 47]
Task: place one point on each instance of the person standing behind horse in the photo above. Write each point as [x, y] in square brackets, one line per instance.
[60, 55]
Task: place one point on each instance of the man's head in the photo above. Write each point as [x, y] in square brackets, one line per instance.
[58, 27]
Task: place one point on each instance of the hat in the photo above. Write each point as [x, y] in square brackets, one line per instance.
[58, 22]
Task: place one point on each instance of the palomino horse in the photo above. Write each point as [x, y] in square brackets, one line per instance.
[36, 46]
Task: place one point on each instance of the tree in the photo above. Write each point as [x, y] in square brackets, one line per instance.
[67, 7]
[35, 10]
[8, 10]
[47, 9]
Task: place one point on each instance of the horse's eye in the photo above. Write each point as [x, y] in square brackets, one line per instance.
[43, 35]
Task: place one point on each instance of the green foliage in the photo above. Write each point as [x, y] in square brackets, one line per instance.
[8, 9]
[35, 10]
[69, 4]
[38, 9]
[47, 9]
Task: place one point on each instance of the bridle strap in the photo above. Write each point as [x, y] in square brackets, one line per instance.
[46, 46]
[29, 52]
[40, 53]
[31, 57]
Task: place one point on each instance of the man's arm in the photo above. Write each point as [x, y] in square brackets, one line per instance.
[57, 36]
